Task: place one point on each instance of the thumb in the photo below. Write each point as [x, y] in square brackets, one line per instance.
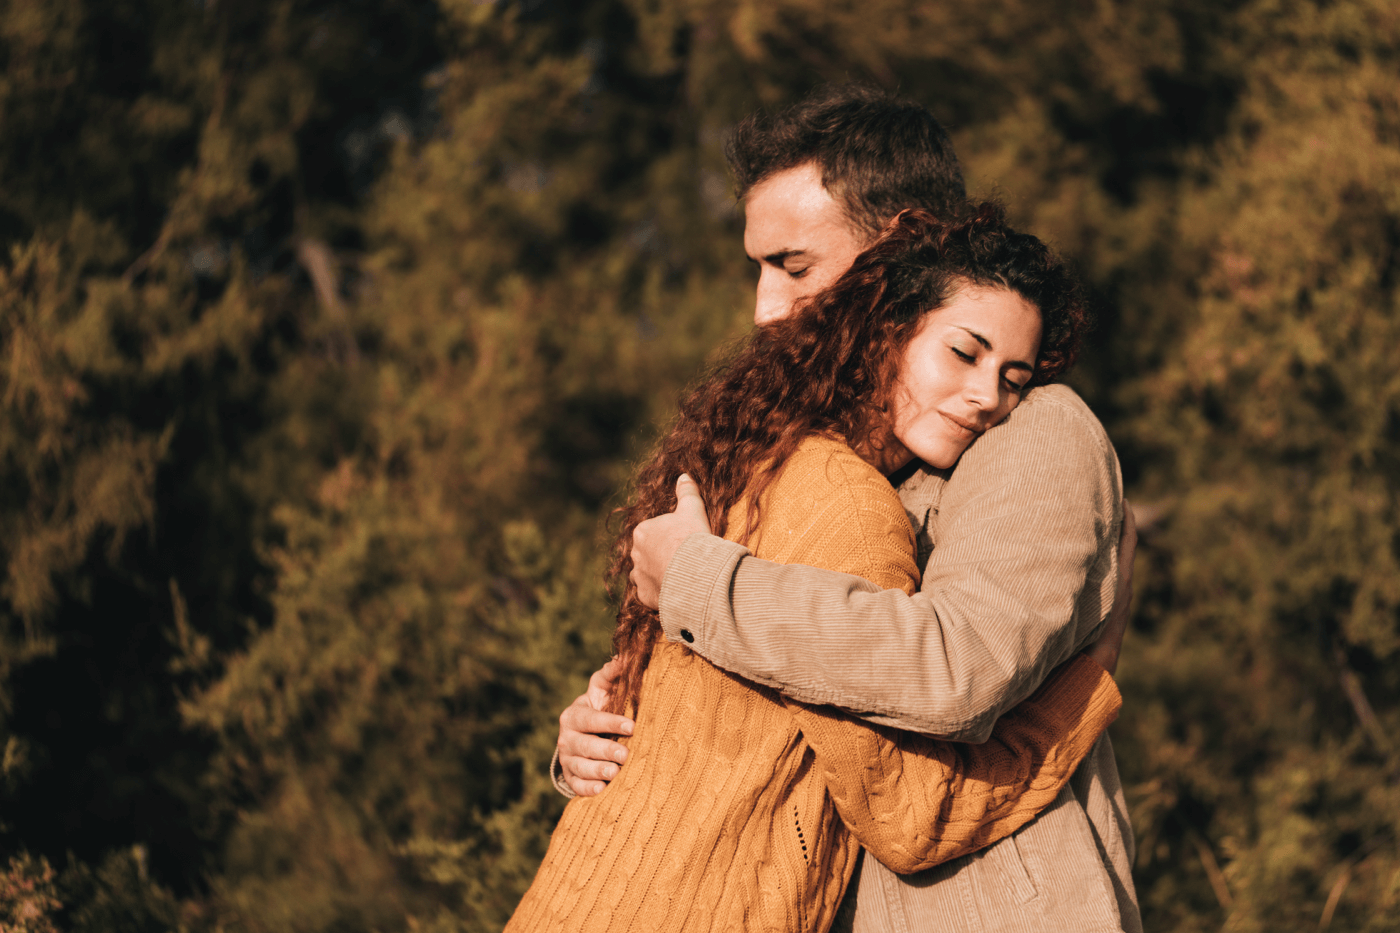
[688, 502]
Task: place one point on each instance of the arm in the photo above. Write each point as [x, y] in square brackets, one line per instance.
[915, 801]
[585, 760]
[994, 616]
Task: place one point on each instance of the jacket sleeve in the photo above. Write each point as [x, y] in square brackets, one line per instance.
[915, 801]
[1021, 576]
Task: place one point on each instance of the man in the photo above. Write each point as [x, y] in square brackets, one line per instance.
[995, 615]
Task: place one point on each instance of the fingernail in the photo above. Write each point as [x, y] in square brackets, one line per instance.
[621, 755]
[686, 477]
[627, 725]
[610, 771]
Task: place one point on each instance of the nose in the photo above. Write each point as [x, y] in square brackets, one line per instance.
[983, 388]
[772, 301]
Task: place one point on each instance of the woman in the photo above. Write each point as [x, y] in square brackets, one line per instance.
[738, 809]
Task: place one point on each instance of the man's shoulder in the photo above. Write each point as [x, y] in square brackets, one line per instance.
[1053, 408]
[1051, 433]
[1051, 422]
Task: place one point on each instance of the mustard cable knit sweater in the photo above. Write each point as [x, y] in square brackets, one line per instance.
[738, 810]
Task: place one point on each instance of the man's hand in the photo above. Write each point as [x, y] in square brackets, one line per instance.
[1106, 649]
[588, 760]
[656, 540]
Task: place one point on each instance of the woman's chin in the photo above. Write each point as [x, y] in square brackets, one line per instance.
[944, 456]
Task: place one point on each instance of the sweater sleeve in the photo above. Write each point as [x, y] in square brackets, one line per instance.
[912, 800]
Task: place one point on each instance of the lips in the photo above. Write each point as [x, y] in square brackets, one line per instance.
[971, 427]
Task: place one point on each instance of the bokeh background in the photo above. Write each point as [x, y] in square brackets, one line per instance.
[330, 330]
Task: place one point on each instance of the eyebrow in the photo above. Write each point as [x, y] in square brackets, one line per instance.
[779, 257]
[1019, 364]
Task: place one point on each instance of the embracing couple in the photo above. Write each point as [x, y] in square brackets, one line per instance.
[875, 697]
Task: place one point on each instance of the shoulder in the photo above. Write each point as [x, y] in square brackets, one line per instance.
[828, 468]
[1055, 412]
[1052, 430]
[831, 509]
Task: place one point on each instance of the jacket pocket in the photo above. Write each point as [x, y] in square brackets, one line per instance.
[1006, 861]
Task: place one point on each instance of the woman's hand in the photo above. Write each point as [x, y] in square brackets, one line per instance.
[588, 761]
[1110, 643]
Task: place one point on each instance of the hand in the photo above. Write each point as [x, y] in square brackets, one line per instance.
[656, 540]
[1110, 642]
[588, 760]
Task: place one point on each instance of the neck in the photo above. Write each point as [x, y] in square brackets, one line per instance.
[885, 454]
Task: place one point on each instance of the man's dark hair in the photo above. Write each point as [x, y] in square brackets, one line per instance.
[878, 153]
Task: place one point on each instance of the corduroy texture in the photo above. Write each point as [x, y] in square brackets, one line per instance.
[1024, 537]
[721, 819]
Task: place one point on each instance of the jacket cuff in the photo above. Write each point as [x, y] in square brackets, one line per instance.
[699, 575]
[556, 774]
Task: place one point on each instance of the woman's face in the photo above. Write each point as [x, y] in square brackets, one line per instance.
[965, 370]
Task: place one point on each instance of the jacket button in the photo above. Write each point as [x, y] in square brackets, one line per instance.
[689, 638]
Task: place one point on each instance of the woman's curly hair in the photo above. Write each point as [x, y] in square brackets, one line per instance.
[829, 368]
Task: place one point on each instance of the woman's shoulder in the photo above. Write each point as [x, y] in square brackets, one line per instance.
[824, 465]
[830, 508]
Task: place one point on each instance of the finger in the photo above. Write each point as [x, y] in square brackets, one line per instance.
[1127, 550]
[584, 788]
[1127, 541]
[583, 718]
[600, 685]
[577, 746]
[599, 690]
[689, 502]
[610, 672]
[588, 769]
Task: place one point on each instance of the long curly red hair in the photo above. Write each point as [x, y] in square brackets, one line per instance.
[829, 368]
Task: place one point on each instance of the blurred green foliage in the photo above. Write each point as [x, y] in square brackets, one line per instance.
[331, 330]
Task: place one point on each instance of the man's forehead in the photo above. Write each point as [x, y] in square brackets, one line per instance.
[788, 216]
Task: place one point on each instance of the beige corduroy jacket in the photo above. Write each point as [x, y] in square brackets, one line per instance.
[1021, 548]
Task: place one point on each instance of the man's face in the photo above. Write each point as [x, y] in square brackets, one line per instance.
[800, 238]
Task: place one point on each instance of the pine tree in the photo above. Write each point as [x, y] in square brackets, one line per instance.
[169, 379]
[1267, 692]
[332, 331]
[540, 281]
